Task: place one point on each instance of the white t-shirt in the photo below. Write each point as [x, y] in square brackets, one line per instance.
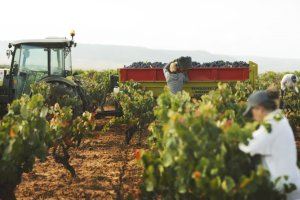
[287, 82]
[278, 151]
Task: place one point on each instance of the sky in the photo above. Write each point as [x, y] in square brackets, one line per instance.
[268, 28]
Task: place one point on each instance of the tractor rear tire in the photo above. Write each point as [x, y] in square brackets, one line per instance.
[66, 95]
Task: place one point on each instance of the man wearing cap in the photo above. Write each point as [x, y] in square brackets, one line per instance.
[275, 143]
[175, 75]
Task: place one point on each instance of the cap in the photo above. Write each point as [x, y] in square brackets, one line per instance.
[255, 99]
[294, 78]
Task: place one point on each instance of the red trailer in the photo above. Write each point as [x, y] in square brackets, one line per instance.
[200, 79]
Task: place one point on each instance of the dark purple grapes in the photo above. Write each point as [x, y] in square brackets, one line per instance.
[220, 63]
[194, 64]
[138, 65]
[184, 62]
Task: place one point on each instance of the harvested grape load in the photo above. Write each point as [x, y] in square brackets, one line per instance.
[137, 65]
[184, 61]
[220, 63]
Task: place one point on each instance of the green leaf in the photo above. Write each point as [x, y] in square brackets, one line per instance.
[215, 183]
[182, 188]
[150, 181]
[228, 184]
[167, 159]
[44, 112]
[267, 126]
[214, 171]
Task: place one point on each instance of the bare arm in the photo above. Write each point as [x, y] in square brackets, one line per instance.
[166, 70]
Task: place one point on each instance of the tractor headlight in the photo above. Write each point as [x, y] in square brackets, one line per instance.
[72, 33]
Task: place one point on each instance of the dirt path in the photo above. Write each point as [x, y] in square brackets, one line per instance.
[105, 166]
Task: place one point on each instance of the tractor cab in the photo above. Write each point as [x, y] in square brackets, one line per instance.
[33, 60]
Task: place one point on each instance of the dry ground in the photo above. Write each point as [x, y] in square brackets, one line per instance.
[106, 169]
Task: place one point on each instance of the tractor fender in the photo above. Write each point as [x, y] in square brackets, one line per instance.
[79, 89]
[50, 79]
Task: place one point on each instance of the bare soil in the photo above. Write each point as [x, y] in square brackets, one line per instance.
[106, 169]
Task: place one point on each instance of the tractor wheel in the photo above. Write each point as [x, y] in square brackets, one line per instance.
[3, 110]
[66, 95]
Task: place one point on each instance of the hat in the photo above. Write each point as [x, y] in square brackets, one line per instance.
[255, 99]
[294, 78]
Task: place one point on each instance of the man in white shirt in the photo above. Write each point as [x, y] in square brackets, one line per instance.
[276, 146]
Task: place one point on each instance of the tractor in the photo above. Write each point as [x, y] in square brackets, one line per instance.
[38, 60]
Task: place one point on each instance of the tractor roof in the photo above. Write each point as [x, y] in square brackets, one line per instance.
[41, 42]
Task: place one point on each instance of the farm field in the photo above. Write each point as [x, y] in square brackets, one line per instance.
[107, 169]
[109, 100]
[169, 147]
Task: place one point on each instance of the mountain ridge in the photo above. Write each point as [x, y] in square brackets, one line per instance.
[104, 56]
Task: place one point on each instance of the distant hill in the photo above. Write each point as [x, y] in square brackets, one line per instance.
[97, 56]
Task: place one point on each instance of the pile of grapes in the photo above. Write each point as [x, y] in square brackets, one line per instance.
[219, 63]
[137, 65]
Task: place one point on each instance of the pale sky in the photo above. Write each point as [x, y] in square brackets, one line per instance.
[233, 27]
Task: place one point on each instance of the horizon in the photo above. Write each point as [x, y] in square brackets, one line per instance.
[163, 49]
[101, 57]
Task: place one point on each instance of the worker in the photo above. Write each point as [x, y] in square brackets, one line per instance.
[175, 75]
[289, 81]
[276, 144]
